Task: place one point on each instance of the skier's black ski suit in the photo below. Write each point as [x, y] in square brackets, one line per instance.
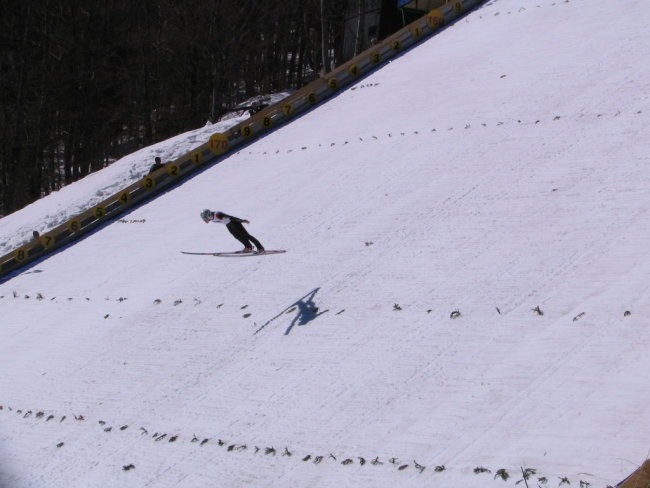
[236, 228]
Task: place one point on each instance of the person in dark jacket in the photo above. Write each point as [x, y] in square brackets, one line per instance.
[156, 165]
[234, 225]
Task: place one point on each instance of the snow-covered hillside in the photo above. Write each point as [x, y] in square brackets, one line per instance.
[463, 302]
[60, 206]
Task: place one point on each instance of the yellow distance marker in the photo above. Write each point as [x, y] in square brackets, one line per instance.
[172, 169]
[435, 19]
[375, 58]
[74, 226]
[287, 109]
[21, 254]
[416, 32]
[312, 98]
[99, 212]
[267, 122]
[396, 45]
[459, 7]
[247, 131]
[124, 198]
[218, 143]
[148, 183]
[353, 70]
[197, 157]
[46, 241]
[333, 83]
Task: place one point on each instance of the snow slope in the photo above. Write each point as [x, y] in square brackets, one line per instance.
[463, 300]
[60, 206]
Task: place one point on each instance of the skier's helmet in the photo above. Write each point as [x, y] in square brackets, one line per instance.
[206, 214]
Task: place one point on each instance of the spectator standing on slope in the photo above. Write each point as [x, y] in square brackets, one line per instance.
[156, 165]
[234, 225]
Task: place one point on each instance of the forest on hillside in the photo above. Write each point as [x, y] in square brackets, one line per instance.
[85, 83]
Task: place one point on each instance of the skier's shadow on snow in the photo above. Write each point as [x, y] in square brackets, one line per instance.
[307, 311]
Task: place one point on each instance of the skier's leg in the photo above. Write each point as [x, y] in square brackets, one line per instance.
[257, 243]
[238, 232]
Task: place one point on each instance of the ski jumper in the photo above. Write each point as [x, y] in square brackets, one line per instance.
[235, 227]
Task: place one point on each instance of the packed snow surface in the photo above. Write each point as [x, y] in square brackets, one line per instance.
[463, 301]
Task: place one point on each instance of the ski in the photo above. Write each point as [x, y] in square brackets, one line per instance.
[234, 254]
[242, 254]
